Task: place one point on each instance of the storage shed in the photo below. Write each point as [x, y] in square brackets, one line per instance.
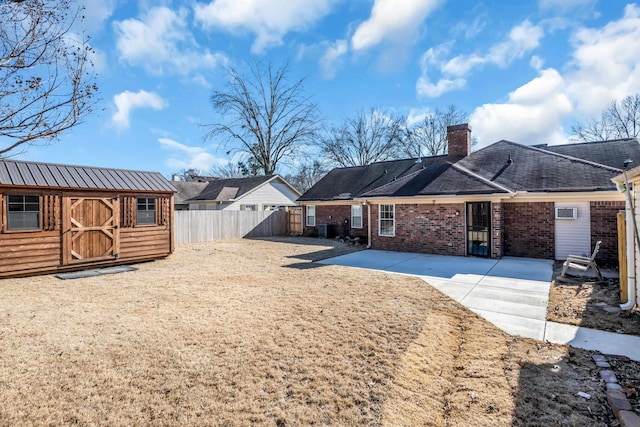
[58, 218]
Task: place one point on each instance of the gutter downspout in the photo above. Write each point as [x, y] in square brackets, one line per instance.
[632, 227]
[368, 224]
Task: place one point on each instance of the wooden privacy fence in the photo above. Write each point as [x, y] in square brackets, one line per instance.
[201, 226]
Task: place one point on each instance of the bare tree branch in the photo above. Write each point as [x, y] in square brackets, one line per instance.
[429, 136]
[363, 139]
[266, 116]
[47, 84]
[621, 119]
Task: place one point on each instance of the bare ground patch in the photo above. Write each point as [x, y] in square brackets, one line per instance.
[254, 333]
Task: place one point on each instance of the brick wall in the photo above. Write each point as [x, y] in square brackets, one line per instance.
[497, 230]
[529, 229]
[604, 227]
[339, 216]
[425, 228]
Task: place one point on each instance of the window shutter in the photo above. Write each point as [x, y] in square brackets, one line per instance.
[50, 210]
[128, 212]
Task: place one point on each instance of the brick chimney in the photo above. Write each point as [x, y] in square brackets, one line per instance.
[459, 140]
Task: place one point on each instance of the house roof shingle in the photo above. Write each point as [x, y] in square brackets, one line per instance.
[225, 189]
[49, 175]
[503, 167]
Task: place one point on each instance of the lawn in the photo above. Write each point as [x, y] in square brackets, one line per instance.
[252, 332]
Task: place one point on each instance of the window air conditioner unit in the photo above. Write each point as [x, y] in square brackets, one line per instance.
[566, 213]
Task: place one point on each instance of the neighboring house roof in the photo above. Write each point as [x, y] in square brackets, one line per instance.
[32, 174]
[504, 167]
[187, 190]
[225, 189]
[230, 189]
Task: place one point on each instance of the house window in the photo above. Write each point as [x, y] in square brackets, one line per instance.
[146, 212]
[386, 220]
[248, 207]
[23, 212]
[311, 216]
[356, 216]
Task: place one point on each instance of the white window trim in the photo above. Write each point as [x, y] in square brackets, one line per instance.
[393, 234]
[361, 216]
[307, 216]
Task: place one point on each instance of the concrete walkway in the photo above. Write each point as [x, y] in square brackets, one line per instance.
[511, 293]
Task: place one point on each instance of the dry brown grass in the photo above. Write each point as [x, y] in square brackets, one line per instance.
[253, 333]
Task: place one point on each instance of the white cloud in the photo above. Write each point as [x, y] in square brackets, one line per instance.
[392, 19]
[605, 63]
[331, 57]
[533, 114]
[128, 101]
[187, 157]
[161, 41]
[268, 20]
[96, 13]
[522, 39]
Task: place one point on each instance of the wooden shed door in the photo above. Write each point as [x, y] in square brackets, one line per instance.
[91, 229]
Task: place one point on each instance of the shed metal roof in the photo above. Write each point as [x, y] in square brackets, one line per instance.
[48, 175]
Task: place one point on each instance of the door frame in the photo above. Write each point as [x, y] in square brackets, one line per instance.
[71, 229]
[470, 229]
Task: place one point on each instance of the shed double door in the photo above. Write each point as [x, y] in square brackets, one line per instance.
[90, 228]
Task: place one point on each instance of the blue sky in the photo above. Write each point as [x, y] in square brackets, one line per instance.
[523, 70]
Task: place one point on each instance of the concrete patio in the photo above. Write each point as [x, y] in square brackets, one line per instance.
[512, 293]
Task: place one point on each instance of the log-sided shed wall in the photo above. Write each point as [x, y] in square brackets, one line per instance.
[86, 217]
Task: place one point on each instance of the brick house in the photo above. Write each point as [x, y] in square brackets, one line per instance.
[506, 199]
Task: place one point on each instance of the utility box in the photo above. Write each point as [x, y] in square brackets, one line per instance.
[326, 231]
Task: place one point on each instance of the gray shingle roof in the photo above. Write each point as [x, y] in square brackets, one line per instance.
[218, 188]
[502, 167]
[611, 153]
[538, 170]
[48, 175]
[187, 190]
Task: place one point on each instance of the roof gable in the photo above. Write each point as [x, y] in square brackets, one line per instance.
[526, 168]
[48, 175]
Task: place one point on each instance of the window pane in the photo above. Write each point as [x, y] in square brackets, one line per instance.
[146, 212]
[23, 212]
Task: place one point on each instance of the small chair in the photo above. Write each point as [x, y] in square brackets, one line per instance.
[582, 263]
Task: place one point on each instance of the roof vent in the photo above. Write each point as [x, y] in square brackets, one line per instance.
[510, 161]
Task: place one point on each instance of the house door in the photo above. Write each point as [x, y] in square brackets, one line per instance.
[479, 228]
[90, 229]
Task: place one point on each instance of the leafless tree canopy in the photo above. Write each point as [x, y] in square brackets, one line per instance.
[621, 119]
[228, 170]
[362, 139]
[265, 115]
[47, 84]
[307, 174]
[429, 136]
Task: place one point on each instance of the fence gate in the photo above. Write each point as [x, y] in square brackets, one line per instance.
[90, 229]
[295, 221]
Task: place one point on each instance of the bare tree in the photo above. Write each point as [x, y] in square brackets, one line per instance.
[363, 139]
[429, 136]
[228, 170]
[621, 119]
[265, 113]
[307, 174]
[47, 84]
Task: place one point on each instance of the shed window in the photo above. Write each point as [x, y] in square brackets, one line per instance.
[23, 212]
[311, 216]
[356, 216]
[146, 210]
[387, 220]
[248, 207]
